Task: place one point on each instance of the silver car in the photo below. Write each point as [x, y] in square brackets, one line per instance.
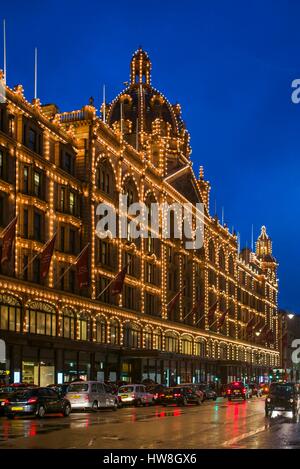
[135, 394]
[91, 395]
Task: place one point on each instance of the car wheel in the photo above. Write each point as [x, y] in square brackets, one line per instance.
[115, 406]
[198, 402]
[152, 402]
[95, 406]
[184, 402]
[10, 416]
[67, 410]
[229, 399]
[214, 398]
[138, 402]
[40, 413]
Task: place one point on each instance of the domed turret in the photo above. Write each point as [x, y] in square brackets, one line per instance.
[144, 110]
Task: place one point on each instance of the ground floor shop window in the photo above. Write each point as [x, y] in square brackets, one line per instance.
[10, 313]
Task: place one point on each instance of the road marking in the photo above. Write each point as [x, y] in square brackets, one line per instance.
[243, 436]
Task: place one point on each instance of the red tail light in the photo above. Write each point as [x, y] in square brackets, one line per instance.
[5, 402]
[177, 395]
[161, 395]
[244, 390]
[32, 400]
[228, 391]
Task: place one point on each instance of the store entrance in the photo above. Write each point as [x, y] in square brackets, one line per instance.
[40, 374]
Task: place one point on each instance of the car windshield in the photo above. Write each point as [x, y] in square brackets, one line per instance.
[78, 387]
[126, 389]
[281, 389]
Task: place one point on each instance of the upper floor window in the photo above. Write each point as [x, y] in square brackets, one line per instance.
[211, 252]
[25, 179]
[1, 164]
[37, 226]
[32, 139]
[72, 203]
[37, 184]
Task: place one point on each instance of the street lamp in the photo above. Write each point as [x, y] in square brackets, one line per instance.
[290, 315]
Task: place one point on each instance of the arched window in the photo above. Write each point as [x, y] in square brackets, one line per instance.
[105, 180]
[10, 313]
[222, 263]
[200, 347]
[114, 332]
[211, 252]
[223, 352]
[157, 339]
[172, 342]
[41, 318]
[187, 345]
[231, 265]
[68, 324]
[132, 335]
[147, 334]
[132, 196]
[101, 330]
[84, 326]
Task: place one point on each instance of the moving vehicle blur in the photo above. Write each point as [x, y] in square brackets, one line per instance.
[208, 392]
[283, 397]
[181, 396]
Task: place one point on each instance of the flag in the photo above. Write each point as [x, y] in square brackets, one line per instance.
[197, 305]
[222, 318]
[117, 284]
[264, 331]
[173, 302]
[250, 324]
[82, 269]
[46, 256]
[8, 237]
[211, 312]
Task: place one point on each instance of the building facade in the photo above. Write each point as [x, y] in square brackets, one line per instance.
[55, 169]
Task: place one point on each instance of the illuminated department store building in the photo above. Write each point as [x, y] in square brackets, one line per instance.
[55, 168]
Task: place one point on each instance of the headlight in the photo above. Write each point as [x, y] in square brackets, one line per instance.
[291, 401]
[268, 399]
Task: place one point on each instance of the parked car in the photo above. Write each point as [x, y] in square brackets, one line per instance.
[36, 401]
[91, 395]
[157, 390]
[181, 396]
[255, 389]
[208, 392]
[238, 390]
[283, 397]
[135, 394]
[5, 393]
[61, 389]
[223, 390]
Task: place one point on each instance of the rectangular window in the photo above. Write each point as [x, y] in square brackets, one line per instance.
[72, 203]
[37, 226]
[25, 179]
[62, 238]
[72, 280]
[62, 198]
[32, 139]
[72, 245]
[36, 270]
[1, 164]
[11, 125]
[105, 257]
[25, 267]
[25, 223]
[37, 184]
[62, 278]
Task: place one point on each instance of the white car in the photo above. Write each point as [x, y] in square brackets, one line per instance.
[135, 394]
[91, 395]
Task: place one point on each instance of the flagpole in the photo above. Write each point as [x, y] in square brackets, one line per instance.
[71, 265]
[7, 228]
[104, 110]
[37, 255]
[175, 296]
[112, 280]
[35, 72]
[200, 319]
[4, 51]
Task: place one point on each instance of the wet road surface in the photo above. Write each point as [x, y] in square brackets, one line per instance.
[219, 424]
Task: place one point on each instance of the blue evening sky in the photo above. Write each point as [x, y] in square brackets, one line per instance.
[229, 64]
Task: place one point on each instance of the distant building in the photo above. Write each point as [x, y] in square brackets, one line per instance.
[55, 168]
[289, 327]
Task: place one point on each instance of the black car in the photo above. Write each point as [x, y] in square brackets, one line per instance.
[61, 389]
[283, 397]
[238, 390]
[38, 402]
[181, 396]
[157, 390]
[208, 392]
